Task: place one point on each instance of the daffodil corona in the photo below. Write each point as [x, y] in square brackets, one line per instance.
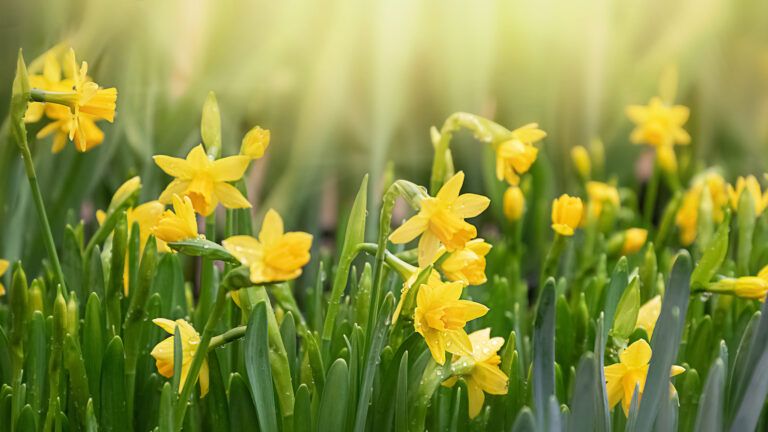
[276, 255]
[480, 370]
[441, 315]
[467, 265]
[441, 220]
[163, 352]
[179, 224]
[204, 181]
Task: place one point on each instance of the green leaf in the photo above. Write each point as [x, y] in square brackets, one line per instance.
[242, 413]
[584, 395]
[616, 287]
[72, 262]
[378, 338]
[544, 352]
[114, 407]
[700, 347]
[565, 341]
[332, 412]
[91, 424]
[665, 341]
[627, 310]
[257, 366]
[302, 416]
[401, 395]
[78, 380]
[713, 256]
[710, 415]
[115, 287]
[525, 421]
[288, 334]
[165, 417]
[746, 220]
[93, 345]
[36, 357]
[751, 390]
[354, 235]
[26, 421]
[203, 248]
[216, 400]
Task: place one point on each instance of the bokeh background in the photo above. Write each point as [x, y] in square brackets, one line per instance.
[346, 86]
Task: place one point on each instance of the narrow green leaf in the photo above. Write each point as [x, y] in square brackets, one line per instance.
[544, 352]
[525, 421]
[627, 310]
[710, 415]
[36, 358]
[616, 287]
[401, 395]
[26, 421]
[288, 334]
[114, 408]
[216, 400]
[93, 345]
[165, 418]
[665, 341]
[302, 415]
[584, 395]
[242, 414]
[203, 248]
[78, 380]
[257, 366]
[713, 256]
[332, 412]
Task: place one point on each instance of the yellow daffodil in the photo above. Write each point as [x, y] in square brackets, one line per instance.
[255, 143]
[687, 215]
[3, 268]
[659, 124]
[441, 220]
[648, 314]
[516, 154]
[582, 162]
[566, 214]
[204, 180]
[467, 264]
[441, 315]
[514, 203]
[163, 352]
[622, 378]
[752, 186]
[179, 224]
[480, 370]
[634, 239]
[276, 255]
[601, 194]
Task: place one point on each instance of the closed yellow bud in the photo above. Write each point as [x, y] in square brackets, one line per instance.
[566, 214]
[582, 162]
[514, 203]
[634, 239]
[125, 191]
[255, 143]
[749, 287]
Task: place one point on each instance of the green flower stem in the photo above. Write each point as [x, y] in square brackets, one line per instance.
[400, 266]
[387, 204]
[650, 194]
[200, 354]
[207, 283]
[283, 295]
[228, 336]
[19, 132]
[439, 161]
[553, 258]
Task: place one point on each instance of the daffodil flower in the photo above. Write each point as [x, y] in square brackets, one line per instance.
[516, 154]
[480, 370]
[440, 317]
[687, 215]
[3, 268]
[648, 314]
[441, 220]
[276, 255]
[658, 123]
[632, 370]
[204, 181]
[467, 265]
[601, 194]
[566, 214]
[163, 352]
[179, 224]
[147, 216]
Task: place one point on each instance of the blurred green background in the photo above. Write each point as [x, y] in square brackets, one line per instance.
[346, 86]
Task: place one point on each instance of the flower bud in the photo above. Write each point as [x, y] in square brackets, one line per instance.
[255, 143]
[514, 203]
[566, 214]
[634, 239]
[582, 162]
